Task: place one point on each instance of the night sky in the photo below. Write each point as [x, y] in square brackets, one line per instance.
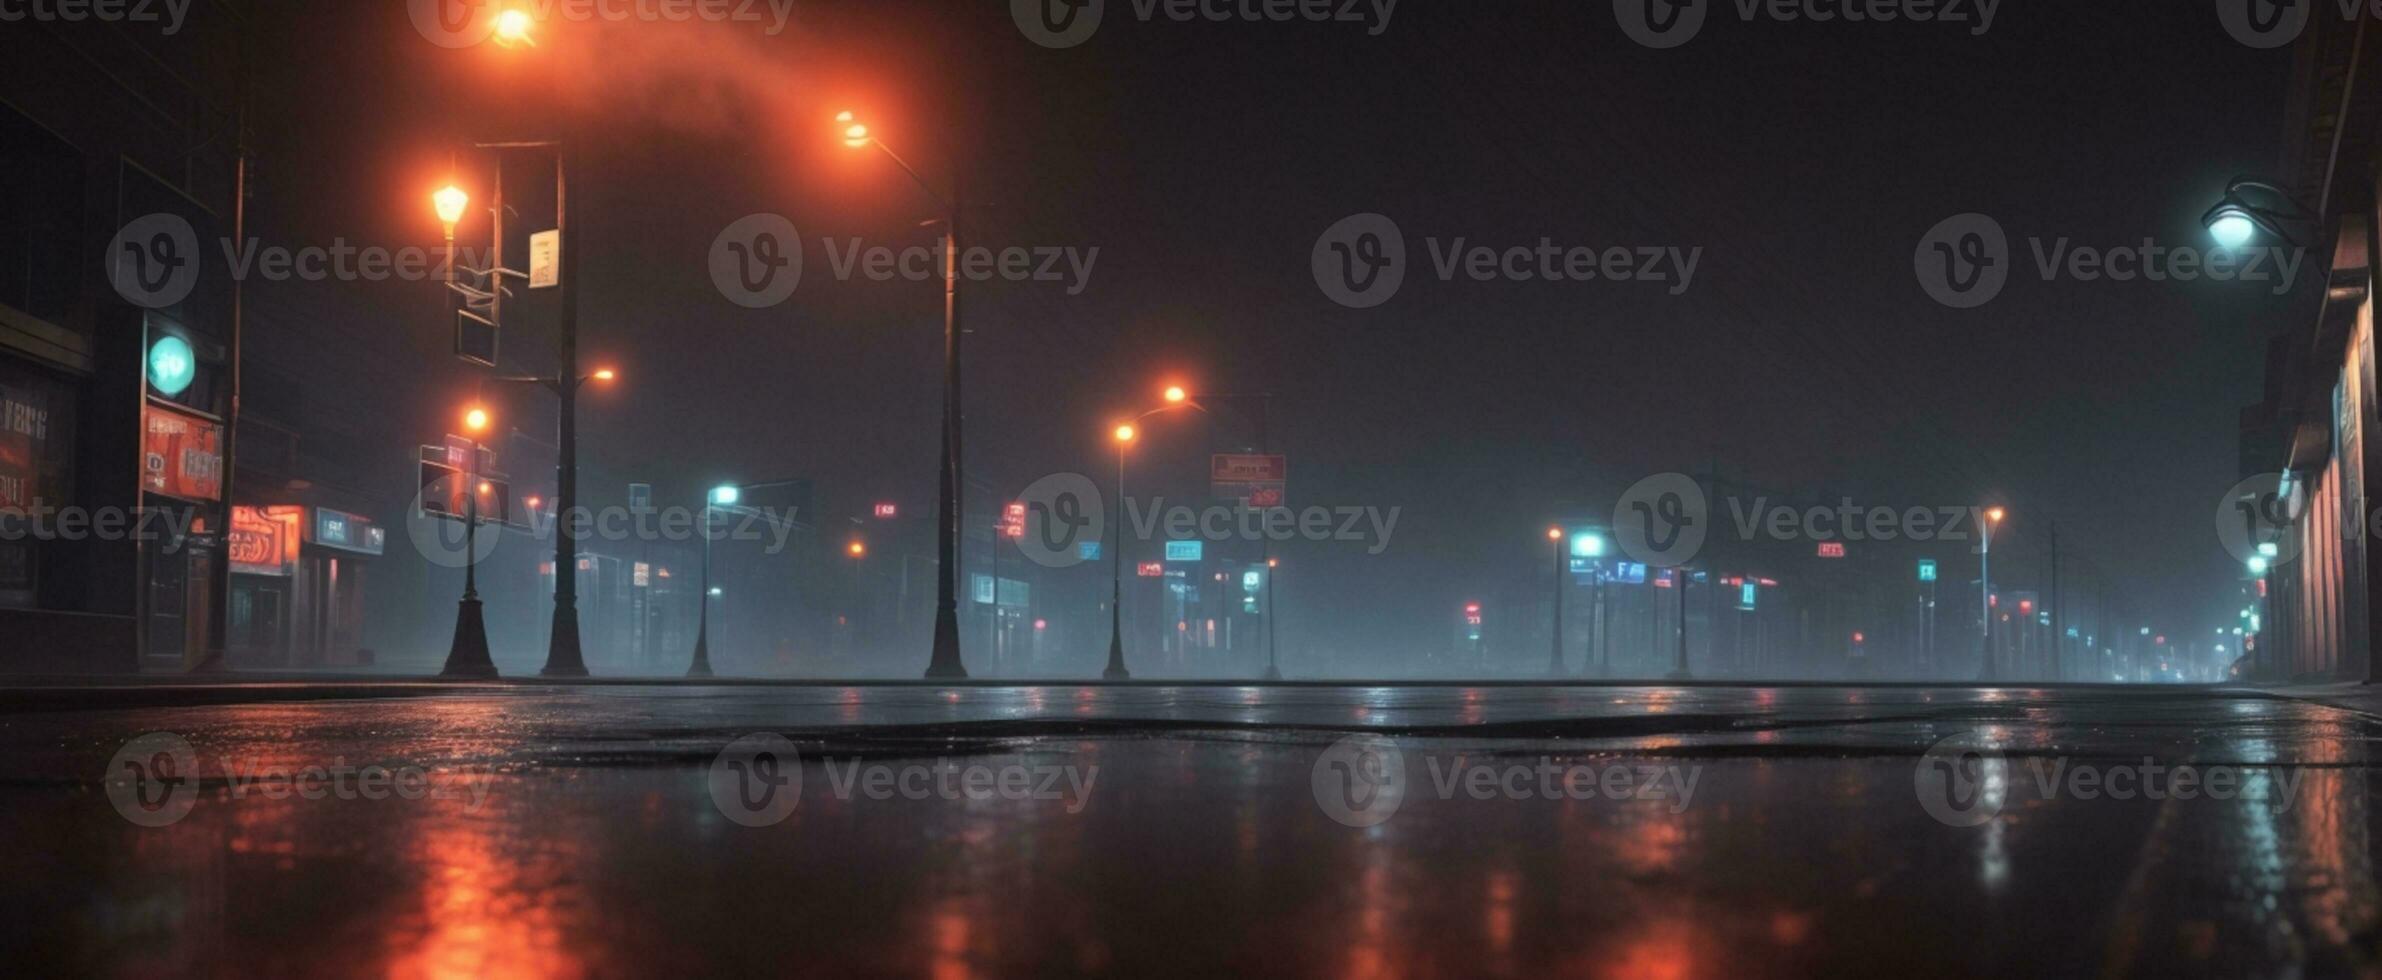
[1203, 160]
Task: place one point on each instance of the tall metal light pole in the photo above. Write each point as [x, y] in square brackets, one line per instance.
[944, 661]
[1116, 567]
[720, 496]
[468, 655]
[1555, 653]
[1993, 519]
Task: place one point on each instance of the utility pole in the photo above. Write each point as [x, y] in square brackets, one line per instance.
[2058, 636]
[1555, 657]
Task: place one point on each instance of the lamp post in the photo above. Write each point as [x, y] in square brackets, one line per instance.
[467, 655]
[944, 661]
[720, 496]
[2251, 206]
[1116, 565]
[1124, 436]
[1555, 654]
[1993, 519]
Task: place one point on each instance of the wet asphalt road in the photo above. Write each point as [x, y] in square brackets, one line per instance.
[1195, 831]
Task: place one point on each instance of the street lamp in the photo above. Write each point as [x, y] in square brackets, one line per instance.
[944, 661]
[724, 495]
[1125, 434]
[1555, 657]
[513, 26]
[563, 655]
[1993, 519]
[467, 655]
[2239, 217]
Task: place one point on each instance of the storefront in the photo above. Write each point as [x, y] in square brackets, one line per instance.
[298, 577]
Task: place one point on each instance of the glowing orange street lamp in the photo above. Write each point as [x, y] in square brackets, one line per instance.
[450, 202]
[856, 549]
[943, 660]
[605, 374]
[468, 655]
[1175, 394]
[1555, 658]
[513, 27]
[1993, 519]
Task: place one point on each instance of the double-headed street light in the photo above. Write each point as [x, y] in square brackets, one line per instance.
[944, 661]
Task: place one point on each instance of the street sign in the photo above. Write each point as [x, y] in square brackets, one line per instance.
[545, 259]
[640, 499]
[1258, 479]
[1926, 569]
[1831, 549]
[1150, 569]
[887, 511]
[1185, 550]
[1087, 550]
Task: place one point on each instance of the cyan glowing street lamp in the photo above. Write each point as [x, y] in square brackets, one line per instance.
[724, 495]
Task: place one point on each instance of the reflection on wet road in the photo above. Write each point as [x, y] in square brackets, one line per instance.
[1624, 832]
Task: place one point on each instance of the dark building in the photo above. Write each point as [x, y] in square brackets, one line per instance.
[121, 148]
